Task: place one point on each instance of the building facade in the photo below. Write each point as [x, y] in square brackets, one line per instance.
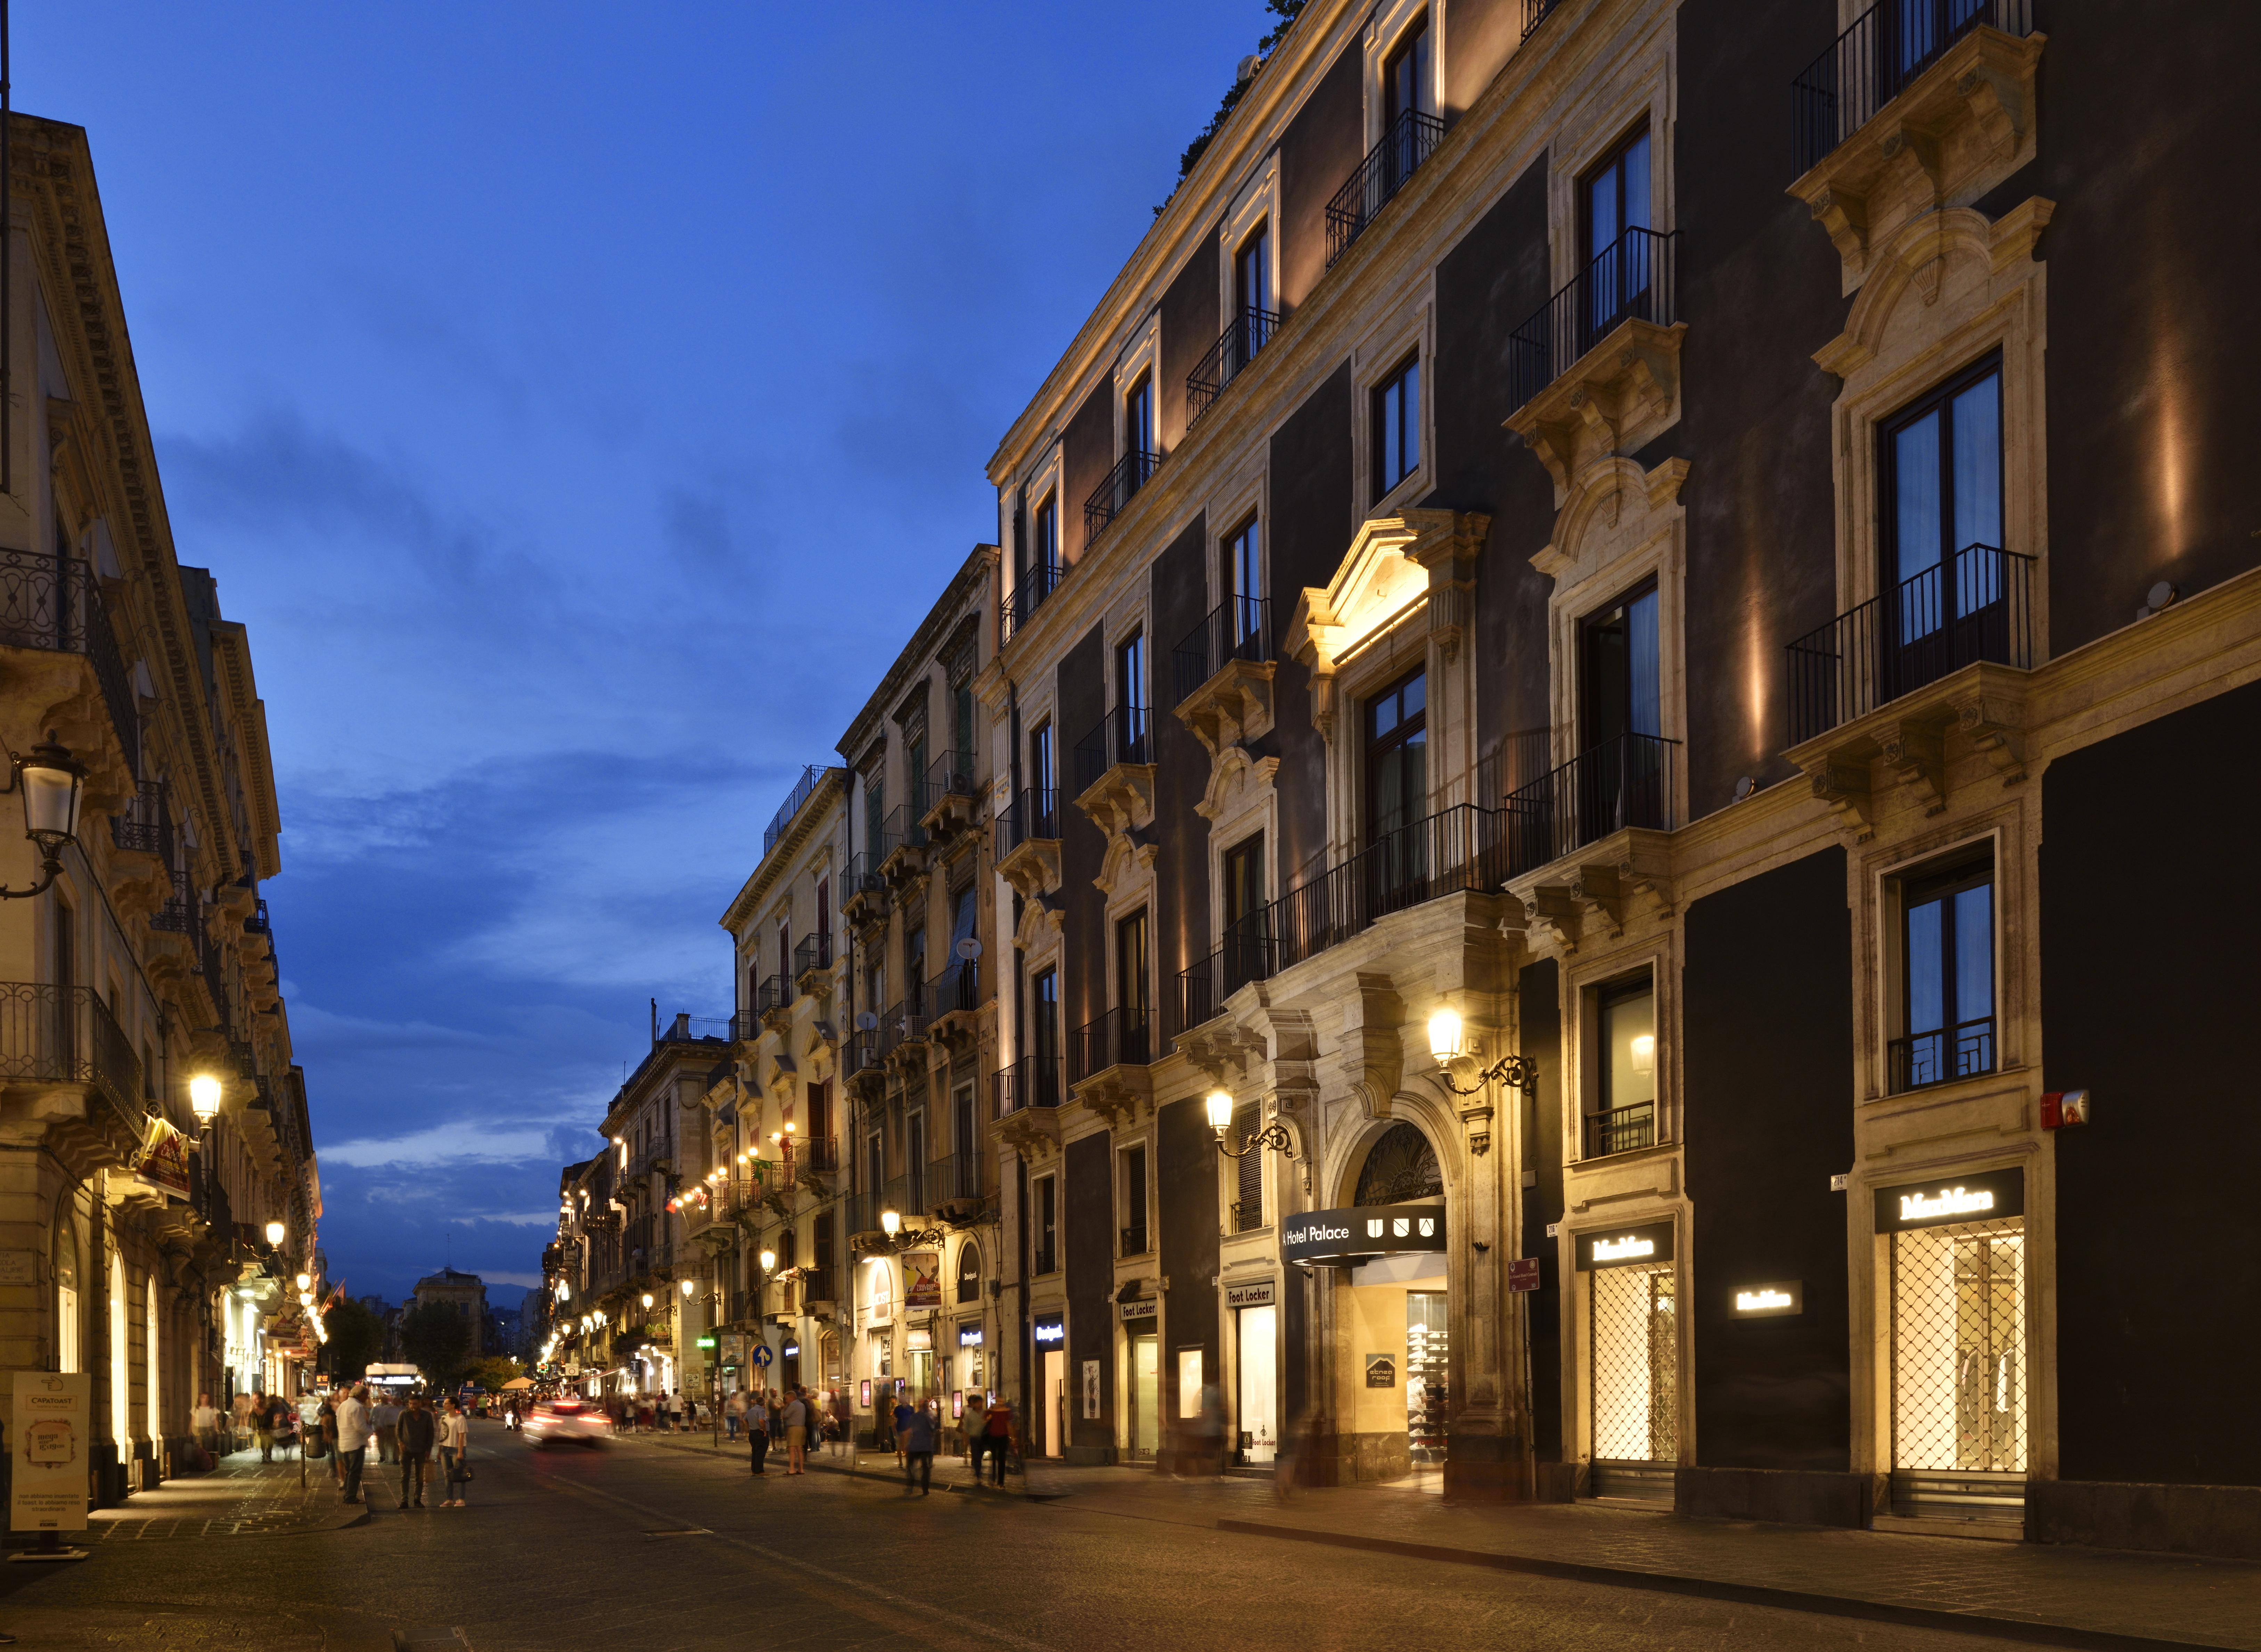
[153, 1238]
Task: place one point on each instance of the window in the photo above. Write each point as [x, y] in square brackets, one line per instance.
[1130, 699]
[961, 973]
[1405, 76]
[875, 1171]
[1044, 1035]
[916, 781]
[1622, 692]
[1134, 1201]
[1397, 757]
[1047, 1225]
[823, 912]
[1138, 420]
[915, 972]
[1252, 287]
[1625, 1116]
[969, 1273]
[1244, 915]
[961, 725]
[1043, 544]
[1397, 427]
[1615, 202]
[825, 1250]
[915, 1163]
[1248, 1186]
[820, 1111]
[1041, 772]
[1132, 992]
[966, 1139]
[1947, 984]
[875, 809]
[784, 948]
[1941, 468]
[1244, 585]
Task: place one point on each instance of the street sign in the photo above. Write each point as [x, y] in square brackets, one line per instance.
[762, 1355]
[1523, 1273]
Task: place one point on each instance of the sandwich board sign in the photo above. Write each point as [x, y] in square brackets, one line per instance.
[53, 1413]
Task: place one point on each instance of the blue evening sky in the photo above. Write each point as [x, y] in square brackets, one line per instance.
[579, 404]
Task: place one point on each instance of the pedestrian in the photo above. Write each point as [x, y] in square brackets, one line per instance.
[416, 1433]
[995, 1437]
[354, 1427]
[262, 1427]
[918, 1451]
[204, 1422]
[777, 1424]
[239, 1432]
[902, 1428]
[796, 1432]
[757, 1426]
[282, 1424]
[677, 1403]
[385, 1420]
[841, 1440]
[328, 1421]
[455, 1455]
[734, 1412]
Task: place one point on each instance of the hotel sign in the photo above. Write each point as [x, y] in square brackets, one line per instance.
[1362, 1231]
[1979, 1197]
[1624, 1246]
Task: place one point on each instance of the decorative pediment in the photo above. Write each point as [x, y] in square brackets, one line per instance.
[1958, 253]
[1041, 916]
[1612, 400]
[1130, 860]
[1956, 131]
[1391, 568]
[1607, 509]
[1232, 776]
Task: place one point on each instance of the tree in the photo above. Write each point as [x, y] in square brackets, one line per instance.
[435, 1336]
[493, 1371]
[356, 1338]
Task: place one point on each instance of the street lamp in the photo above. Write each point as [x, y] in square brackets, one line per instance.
[1273, 1135]
[686, 1287]
[204, 1096]
[305, 1282]
[276, 1233]
[647, 1299]
[768, 1260]
[892, 1221]
[53, 784]
[1448, 1042]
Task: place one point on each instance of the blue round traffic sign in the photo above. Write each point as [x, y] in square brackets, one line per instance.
[762, 1355]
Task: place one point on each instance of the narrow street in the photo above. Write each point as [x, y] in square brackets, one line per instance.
[649, 1544]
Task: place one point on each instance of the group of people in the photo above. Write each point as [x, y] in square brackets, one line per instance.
[410, 1435]
[663, 1412]
[780, 1421]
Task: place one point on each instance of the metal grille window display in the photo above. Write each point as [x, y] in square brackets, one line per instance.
[1636, 1366]
[1958, 1349]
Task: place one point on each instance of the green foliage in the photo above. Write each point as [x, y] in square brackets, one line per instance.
[437, 1340]
[493, 1371]
[1287, 12]
[356, 1339]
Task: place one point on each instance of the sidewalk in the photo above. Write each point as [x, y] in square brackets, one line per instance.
[2050, 1596]
[241, 1496]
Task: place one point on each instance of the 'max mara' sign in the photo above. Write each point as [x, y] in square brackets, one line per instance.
[1624, 1246]
[1982, 1197]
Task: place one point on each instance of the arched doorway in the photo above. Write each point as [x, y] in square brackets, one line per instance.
[1394, 1310]
[121, 1429]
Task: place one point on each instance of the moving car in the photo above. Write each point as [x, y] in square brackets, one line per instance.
[566, 1422]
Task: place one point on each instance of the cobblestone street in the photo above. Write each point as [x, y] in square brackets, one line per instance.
[661, 1542]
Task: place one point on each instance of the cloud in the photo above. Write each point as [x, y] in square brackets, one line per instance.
[454, 1143]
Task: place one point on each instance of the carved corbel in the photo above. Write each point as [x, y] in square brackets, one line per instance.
[1920, 147]
[1912, 750]
[1996, 105]
[1843, 216]
[1991, 730]
[1844, 787]
[1599, 895]
[1647, 865]
[1373, 1053]
[1555, 916]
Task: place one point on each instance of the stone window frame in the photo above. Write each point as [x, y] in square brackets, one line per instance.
[1584, 975]
[1380, 659]
[1408, 328]
[1640, 90]
[1256, 203]
[1384, 30]
[1140, 355]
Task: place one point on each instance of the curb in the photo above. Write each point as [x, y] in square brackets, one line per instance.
[2026, 1629]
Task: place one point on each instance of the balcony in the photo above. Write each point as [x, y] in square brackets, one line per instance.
[1124, 735]
[1033, 1082]
[1536, 13]
[1596, 370]
[945, 795]
[1121, 1037]
[1028, 844]
[1924, 1059]
[863, 1220]
[903, 845]
[1248, 333]
[903, 1029]
[958, 1180]
[863, 891]
[1620, 783]
[1132, 1240]
[812, 959]
[953, 998]
[145, 826]
[1410, 140]
[812, 1163]
[803, 789]
[1977, 608]
[51, 1034]
[817, 1289]
[54, 604]
[860, 1058]
[1920, 103]
[1035, 582]
[1461, 850]
[773, 1001]
[1620, 1130]
[1237, 631]
[1112, 496]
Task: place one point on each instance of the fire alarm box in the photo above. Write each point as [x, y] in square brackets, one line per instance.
[2063, 1109]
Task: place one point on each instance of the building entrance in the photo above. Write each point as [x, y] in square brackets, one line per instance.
[1053, 1405]
[1257, 1362]
[1958, 1370]
[1145, 1394]
[1633, 1359]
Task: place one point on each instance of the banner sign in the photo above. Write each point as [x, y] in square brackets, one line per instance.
[1362, 1231]
[1981, 1197]
[1259, 1295]
[1624, 1246]
[922, 1279]
[164, 1163]
[54, 1414]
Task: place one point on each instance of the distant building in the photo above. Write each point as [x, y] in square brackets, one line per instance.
[469, 1294]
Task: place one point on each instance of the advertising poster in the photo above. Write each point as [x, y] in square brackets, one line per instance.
[923, 1279]
[53, 1413]
[165, 1160]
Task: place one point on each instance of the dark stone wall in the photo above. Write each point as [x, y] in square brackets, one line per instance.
[2158, 1242]
[1179, 597]
[1080, 705]
[1484, 34]
[1486, 285]
[1538, 993]
[1087, 1188]
[1087, 455]
[1767, 1009]
[1189, 328]
[2148, 145]
[1759, 289]
[1320, 149]
[1311, 518]
[1185, 1168]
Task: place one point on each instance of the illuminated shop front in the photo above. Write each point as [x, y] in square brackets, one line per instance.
[1632, 1358]
[1254, 1308]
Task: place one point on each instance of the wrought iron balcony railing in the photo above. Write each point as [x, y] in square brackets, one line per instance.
[1410, 140]
[1034, 815]
[1620, 1130]
[1034, 1081]
[863, 875]
[1873, 62]
[54, 603]
[949, 775]
[815, 953]
[901, 831]
[859, 1053]
[1636, 278]
[905, 1023]
[146, 825]
[803, 789]
[1536, 13]
[259, 922]
[1960, 1051]
[1035, 582]
[1109, 501]
[1121, 1037]
[959, 1175]
[957, 989]
[776, 992]
[1976, 607]
[1627, 781]
[815, 1155]
[1239, 627]
[1244, 336]
[66, 1035]
[1124, 735]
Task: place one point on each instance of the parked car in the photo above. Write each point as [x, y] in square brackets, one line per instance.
[566, 1422]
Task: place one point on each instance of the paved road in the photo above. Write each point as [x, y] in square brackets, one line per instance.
[634, 1546]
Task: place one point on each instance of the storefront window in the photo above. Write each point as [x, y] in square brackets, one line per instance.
[1259, 1344]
